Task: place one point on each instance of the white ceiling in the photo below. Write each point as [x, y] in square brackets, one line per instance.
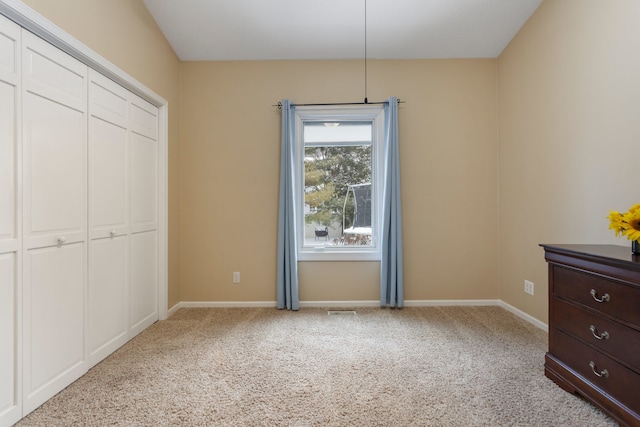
[200, 30]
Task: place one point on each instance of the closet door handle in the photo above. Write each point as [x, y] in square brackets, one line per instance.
[61, 240]
[112, 233]
[602, 336]
[604, 298]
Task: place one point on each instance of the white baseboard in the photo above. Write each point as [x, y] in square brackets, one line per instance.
[226, 304]
[451, 303]
[364, 303]
[341, 304]
[521, 314]
[173, 309]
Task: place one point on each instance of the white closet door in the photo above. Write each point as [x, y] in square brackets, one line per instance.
[144, 141]
[54, 133]
[108, 286]
[144, 279]
[54, 139]
[53, 321]
[108, 297]
[10, 409]
[144, 214]
[108, 158]
[10, 311]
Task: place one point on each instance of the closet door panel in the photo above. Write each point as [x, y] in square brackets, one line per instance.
[144, 280]
[54, 136]
[52, 74]
[8, 155]
[109, 248]
[54, 144]
[144, 118]
[108, 100]
[10, 222]
[145, 183]
[8, 336]
[53, 321]
[54, 141]
[9, 47]
[108, 178]
[108, 296]
[108, 157]
[144, 214]
[144, 140]
[9, 79]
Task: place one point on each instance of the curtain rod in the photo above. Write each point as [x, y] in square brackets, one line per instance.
[279, 104]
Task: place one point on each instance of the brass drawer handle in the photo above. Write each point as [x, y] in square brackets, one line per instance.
[604, 298]
[602, 336]
[602, 374]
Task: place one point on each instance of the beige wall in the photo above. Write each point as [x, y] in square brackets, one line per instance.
[569, 138]
[229, 163]
[124, 33]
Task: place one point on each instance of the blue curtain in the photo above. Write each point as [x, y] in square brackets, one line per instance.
[287, 277]
[391, 272]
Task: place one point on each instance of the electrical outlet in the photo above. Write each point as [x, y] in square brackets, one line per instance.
[236, 277]
[528, 287]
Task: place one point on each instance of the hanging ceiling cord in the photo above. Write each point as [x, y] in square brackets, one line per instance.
[366, 100]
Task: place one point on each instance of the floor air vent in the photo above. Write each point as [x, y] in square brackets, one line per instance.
[341, 312]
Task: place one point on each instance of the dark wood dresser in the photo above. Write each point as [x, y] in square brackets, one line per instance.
[594, 326]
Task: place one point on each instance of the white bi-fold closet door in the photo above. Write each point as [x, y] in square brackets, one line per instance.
[10, 225]
[79, 219]
[54, 135]
[123, 216]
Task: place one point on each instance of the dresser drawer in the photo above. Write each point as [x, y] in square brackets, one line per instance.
[618, 300]
[619, 382]
[616, 339]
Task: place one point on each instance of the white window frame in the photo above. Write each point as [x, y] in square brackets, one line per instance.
[341, 113]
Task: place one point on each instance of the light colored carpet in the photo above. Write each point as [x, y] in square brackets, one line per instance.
[432, 366]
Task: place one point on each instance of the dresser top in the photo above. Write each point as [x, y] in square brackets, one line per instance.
[611, 254]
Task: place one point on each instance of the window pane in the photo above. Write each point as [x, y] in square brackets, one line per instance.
[337, 132]
[337, 191]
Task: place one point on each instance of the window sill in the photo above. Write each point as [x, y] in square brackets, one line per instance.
[327, 255]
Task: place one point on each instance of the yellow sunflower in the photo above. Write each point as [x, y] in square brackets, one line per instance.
[616, 223]
[635, 208]
[632, 220]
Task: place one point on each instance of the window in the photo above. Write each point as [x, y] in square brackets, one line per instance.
[338, 169]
